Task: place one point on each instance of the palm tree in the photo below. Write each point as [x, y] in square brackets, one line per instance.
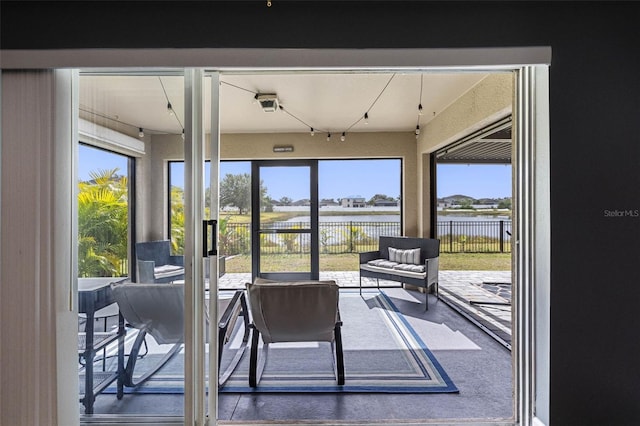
[177, 220]
[102, 224]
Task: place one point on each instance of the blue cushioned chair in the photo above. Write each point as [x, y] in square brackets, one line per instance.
[156, 264]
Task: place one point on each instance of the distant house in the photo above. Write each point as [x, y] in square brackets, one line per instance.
[353, 201]
[302, 202]
[484, 206]
[458, 201]
[328, 202]
[385, 203]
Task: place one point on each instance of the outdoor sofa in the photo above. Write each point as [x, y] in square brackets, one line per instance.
[406, 260]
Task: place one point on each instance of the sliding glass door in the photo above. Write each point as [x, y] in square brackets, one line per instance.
[131, 126]
[125, 122]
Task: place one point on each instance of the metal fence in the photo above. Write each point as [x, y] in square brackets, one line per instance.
[467, 236]
[355, 237]
[335, 237]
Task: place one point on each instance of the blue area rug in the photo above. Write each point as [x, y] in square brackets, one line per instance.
[382, 354]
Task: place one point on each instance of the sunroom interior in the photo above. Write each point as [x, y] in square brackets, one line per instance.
[317, 116]
[451, 106]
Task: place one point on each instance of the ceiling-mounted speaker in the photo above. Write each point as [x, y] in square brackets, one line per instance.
[268, 101]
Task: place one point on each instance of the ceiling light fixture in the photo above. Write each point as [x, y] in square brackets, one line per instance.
[343, 137]
[312, 132]
[268, 101]
[329, 137]
[140, 133]
[419, 107]
[366, 118]
[170, 110]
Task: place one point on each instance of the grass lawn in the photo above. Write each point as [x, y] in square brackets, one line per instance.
[475, 261]
[349, 262]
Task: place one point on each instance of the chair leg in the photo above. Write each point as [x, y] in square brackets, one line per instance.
[339, 354]
[253, 360]
[426, 295]
[128, 379]
[224, 376]
[133, 357]
[104, 350]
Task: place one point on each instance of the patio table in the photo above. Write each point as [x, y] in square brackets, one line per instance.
[93, 295]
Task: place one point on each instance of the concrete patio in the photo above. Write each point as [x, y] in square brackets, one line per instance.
[483, 297]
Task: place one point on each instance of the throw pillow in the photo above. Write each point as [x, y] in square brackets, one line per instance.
[411, 256]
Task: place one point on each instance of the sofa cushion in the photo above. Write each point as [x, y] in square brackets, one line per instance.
[409, 267]
[391, 271]
[411, 256]
[394, 267]
[166, 271]
[382, 263]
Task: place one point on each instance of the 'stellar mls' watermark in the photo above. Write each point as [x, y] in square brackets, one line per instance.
[622, 213]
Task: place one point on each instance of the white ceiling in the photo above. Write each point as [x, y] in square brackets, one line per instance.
[326, 101]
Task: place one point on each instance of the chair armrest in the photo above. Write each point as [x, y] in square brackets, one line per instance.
[177, 260]
[369, 255]
[431, 266]
[145, 271]
[234, 304]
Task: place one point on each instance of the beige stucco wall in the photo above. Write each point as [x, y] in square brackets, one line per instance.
[152, 203]
[488, 101]
[260, 146]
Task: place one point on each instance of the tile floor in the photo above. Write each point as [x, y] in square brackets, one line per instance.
[479, 365]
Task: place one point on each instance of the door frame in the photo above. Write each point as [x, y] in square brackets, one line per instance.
[313, 231]
[532, 139]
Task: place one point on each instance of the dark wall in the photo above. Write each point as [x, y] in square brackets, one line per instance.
[595, 137]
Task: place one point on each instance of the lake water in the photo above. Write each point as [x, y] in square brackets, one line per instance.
[476, 218]
[396, 218]
[351, 218]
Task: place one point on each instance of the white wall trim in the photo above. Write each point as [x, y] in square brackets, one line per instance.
[300, 59]
[542, 237]
[65, 223]
[532, 273]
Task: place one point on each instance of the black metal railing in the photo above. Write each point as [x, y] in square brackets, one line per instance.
[490, 236]
[468, 236]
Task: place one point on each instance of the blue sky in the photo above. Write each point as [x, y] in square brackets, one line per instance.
[338, 178]
[93, 159]
[477, 181]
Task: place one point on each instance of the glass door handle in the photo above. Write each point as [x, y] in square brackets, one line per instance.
[214, 238]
